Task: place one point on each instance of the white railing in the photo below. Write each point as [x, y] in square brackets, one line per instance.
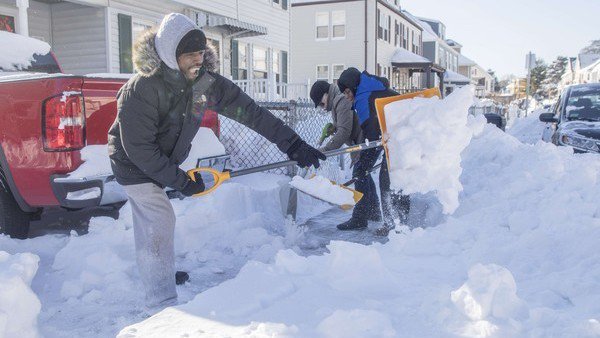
[265, 90]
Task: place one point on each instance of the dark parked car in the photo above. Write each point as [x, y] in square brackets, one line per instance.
[575, 118]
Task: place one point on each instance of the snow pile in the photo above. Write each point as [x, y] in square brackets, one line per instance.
[426, 137]
[518, 258]
[19, 306]
[322, 188]
[90, 284]
[205, 144]
[19, 50]
[96, 162]
[488, 296]
[529, 129]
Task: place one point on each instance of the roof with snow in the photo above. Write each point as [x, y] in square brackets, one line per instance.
[455, 78]
[587, 59]
[405, 56]
[465, 61]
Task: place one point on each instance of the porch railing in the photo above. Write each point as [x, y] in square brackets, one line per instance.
[266, 90]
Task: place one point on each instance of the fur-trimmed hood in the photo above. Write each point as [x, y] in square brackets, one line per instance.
[146, 60]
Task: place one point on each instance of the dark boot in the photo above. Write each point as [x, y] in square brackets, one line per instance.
[384, 230]
[181, 277]
[353, 224]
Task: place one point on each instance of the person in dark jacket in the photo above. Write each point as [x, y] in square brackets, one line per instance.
[346, 129]
[159, 113]
[362, 89]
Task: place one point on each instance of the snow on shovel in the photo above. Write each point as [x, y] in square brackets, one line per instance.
[213, 178]
[329, 191]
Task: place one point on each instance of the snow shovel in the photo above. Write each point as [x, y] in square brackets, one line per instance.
[213, 178]
[382, 102]
[357, 195]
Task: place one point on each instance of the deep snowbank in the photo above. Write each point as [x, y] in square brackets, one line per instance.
[518, 258]
[19, 306]
[425, 139]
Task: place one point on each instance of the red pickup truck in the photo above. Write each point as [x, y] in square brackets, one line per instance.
[47, 117]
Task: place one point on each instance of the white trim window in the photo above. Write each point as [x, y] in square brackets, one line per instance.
[138, 26]
[322, 25]
[323, 72]
[259, 62]
[276, 65]
[337, 71]
[338, 22]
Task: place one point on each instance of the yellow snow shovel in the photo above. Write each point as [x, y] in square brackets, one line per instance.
[213, 178]
[382, 102]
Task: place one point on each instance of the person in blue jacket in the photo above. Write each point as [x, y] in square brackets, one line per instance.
[362, 89]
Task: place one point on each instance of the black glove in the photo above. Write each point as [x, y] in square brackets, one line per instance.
[192, 188]
[304, 154]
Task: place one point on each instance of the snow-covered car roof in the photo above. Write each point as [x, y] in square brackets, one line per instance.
[22, 50]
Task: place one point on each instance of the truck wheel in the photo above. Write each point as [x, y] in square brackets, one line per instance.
[13, 221]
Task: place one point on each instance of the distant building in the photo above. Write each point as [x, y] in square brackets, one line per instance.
[585, 68]
[331, 35]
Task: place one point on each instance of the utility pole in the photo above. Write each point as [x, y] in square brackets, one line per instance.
[529, 64]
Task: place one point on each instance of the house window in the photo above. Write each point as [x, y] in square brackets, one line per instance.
[379, 25]
[323, 72]
[259, 56]
[125, 41]
[337, 71]
[284, 67]
[138, 27]
[389, 29]
[338, 20]
[396, 33]
[239, 60]
[405, 39]
[217, 46]
[7, 23]
[276, 66]
[322, 24]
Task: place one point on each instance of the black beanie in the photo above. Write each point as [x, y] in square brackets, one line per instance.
[193, 41]
[317, 91]
[350, 78]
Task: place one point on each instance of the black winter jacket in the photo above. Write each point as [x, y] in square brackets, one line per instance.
[159, 113]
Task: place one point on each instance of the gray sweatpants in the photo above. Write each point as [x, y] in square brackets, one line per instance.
[154, 230]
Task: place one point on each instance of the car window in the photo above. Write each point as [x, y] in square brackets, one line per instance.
[40, 64]
[584, 105]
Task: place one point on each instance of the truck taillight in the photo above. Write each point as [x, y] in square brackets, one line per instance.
[63, 122]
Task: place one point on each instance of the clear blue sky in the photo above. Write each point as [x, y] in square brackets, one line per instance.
[497, 34]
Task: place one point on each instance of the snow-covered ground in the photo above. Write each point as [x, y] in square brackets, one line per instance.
[517, 258]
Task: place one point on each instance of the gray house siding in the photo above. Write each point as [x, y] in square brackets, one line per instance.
[40, 19]
[78, 38]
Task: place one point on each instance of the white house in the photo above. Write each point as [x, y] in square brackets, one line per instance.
[96, 36]
[585, 68]
[329, 36]
[484, 82]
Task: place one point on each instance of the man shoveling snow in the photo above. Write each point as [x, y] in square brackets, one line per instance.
[159, 113]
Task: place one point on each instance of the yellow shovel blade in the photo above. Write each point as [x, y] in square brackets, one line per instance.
[382, 102]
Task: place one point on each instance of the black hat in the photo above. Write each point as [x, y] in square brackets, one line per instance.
[193, 41]
[350, 78]
[317, 91]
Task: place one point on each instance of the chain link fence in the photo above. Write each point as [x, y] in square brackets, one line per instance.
[247, 148]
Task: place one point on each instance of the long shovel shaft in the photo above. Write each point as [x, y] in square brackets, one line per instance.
[282, 164]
